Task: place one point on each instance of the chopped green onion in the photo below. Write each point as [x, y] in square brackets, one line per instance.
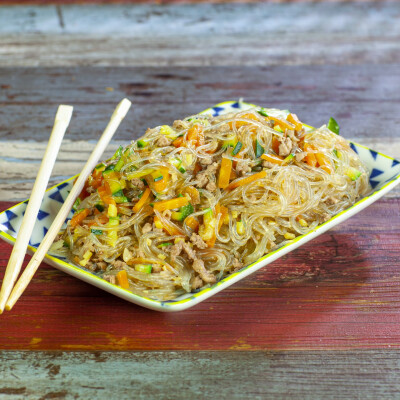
[110, 168]
[141, 144]
[158, 178]
[164, 245]
[145, 268]
[237, 148]
[118, 153]
[259, 149]
[76, 204]
[183, 170]
[288, 158]
[333, 126]
[97, 231]
[100, 207]
[262, 112]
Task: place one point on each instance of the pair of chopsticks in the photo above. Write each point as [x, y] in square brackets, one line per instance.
[9, 293]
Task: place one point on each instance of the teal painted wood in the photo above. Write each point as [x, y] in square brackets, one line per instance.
[199, 375]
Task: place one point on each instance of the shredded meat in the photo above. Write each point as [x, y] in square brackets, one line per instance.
[102, 265]
[205, 161]
[211, 186]
[285, 147]
[119, 264]
[138, 183]
[330, 201]
[110, 278]
[236, 264]
[177, 250]
[203, 177]
[300, 156]
[292, 136]
[198, 241]
[197, 283]
[268, 164]
[242, 168]
[179, 125]
[147, 228]
[163, 141]
[198, 266]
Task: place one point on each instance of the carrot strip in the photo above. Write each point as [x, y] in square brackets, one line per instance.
[273, 159]
[162, 184]
[171, 204]
[246, 180]
[169, 227]
[79, 217]
[238, 124]
[283, 124]
[293, 119]
[193, 193]
[178, 142]
[192, 223]
[142, 201]
[275, 144]
[195, 134]
[122, 277]
[324, 162]
[225, 173]
[310, 157]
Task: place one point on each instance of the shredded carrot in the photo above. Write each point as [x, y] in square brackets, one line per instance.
[324, 162]
[273, 159]
[78, 217]
[224, 173]
[275, 144]
[282, 123]
[192, 223]
[142, 201]
[238, 124]
[122, 277]
[169, 227]
[310, 157]
[162, 184]
[178, 142]
[104, 192]
[195, 135]
[193, 193]
[171, 204]
[246, 180]
[293, 119]
[233, 175]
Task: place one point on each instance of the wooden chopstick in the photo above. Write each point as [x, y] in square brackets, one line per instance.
[116, 118]
[61, 122]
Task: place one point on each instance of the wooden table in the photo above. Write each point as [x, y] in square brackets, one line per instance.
[321, 322]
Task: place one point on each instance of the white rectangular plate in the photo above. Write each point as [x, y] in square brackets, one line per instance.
[385, 174]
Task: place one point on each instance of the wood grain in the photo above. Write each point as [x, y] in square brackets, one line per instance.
[360, 97]
[190, 35]
[341, 291]
[200, 375]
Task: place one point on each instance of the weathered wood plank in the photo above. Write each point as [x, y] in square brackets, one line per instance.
[195, 375]
[360, 97]
[215, 34]
[341, 291]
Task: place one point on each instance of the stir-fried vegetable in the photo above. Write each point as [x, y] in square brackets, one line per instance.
[188, 204]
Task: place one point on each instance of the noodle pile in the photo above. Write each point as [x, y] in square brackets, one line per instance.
[190, 203]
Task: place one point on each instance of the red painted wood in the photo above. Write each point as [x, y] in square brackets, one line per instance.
[341, 291]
